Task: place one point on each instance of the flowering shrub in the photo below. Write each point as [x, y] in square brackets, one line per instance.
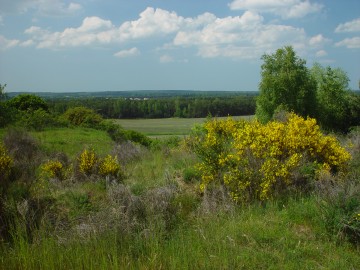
[87, 161]
[53, 169]
[109, 166]
[6, 162]
[255, 160]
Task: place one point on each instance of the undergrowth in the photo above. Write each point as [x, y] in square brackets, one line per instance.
[153, 215]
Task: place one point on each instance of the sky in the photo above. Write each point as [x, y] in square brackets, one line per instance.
[115, 45]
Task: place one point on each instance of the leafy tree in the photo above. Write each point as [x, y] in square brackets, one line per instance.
[334, 99]
[285, 83]
[28, 102]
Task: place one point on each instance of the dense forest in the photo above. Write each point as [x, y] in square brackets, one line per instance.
[188, 107]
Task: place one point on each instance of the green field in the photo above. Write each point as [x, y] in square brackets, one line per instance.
[165, 126]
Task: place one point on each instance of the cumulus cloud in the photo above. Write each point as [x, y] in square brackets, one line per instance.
[92, 30]
[245, 36]
[7, 43]
[287, 9]
[318, 40]
[352, 26]
[127, 53]
[350, 43]
[151, 22]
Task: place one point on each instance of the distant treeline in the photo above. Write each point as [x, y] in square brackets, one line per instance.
[186, 107]
[137, 94]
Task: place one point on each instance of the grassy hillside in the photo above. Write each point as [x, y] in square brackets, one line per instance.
[154, 215]
[72, 141]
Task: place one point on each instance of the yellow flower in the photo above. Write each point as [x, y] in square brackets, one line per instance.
[109, 166]
[87, 161]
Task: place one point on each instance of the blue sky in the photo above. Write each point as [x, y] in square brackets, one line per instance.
[97, 45]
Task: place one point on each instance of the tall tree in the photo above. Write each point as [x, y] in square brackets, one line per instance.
[333, 97]
[286, 83]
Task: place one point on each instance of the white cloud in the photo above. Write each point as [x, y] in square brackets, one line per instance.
[285, 8]
[166, 59]
[318, 40]
[321, 53]
[7, 43]
[27, 43]
[352, 26]
[239, 37]
[151, 22]
[350, 43]
[92, 30]
[127, 53]
[245, 36]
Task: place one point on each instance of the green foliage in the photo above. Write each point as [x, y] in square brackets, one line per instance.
[28, 102]
[191, 174]
[82, 116]
[333, 97]
[37, 120]
[340, 209]
[137, 137]
[286, 82]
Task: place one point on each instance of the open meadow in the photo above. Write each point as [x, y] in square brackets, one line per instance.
[166, 126]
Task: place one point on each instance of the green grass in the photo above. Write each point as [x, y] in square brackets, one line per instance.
[165, 126]
[72, 141]
[287, 234]
[249, 238]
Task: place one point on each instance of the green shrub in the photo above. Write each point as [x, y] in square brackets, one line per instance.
[138, 137]
[339, 202]
[37, 120]
[82, 116]
[191, 174]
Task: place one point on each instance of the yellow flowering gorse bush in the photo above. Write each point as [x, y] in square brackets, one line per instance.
[109, 166]
[6, 162]
[87, 161]
[257, 161]
[90, 163]
[53, 169]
